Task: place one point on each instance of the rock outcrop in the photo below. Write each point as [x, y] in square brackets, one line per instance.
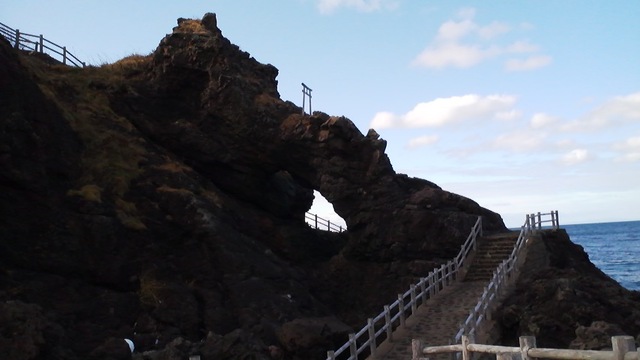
[563, 300]
[161, 199]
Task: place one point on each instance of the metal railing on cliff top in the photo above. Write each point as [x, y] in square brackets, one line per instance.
[365, 342]
[38, 44]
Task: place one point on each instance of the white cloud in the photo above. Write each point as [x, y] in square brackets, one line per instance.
[329, 6]
[444, 111]
[463, 43]
[422, 141]
[383, 120]
[522, 46]
[630, 149]
[519, 141]
[508, 115]
[454, 54]
[575, 156]
[613, 112]
[565, 143]
[494, 29]
[540, 120]
[530, 63]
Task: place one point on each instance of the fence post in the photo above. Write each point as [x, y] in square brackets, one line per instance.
[443, 275]
[480, 221]
[64, 55]
[387, 323]
[17, 44]
[372, 336]
[331, 355]
[465, 351]
[423, 289]
[414, 305]
[316, 216]
[401, 310]
[416, 349]
[473, 239]
[526, 343]
[432, 286]
[622, 345]
[557, 219]
[328, 225]
[41, 44]
[353, 346]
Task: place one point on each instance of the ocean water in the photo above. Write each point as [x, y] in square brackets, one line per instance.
[613, 247]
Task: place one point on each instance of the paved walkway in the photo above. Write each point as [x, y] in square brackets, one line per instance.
[435, 322]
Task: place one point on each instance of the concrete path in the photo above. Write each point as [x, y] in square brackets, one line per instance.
[435, 322]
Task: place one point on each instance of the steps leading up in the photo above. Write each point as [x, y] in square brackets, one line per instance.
[491, 251]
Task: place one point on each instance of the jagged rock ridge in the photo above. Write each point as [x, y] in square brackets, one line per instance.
[162, 199]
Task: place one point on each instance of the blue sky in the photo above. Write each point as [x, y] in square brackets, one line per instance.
[523, 106]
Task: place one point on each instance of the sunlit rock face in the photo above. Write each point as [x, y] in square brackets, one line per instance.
[161, 199]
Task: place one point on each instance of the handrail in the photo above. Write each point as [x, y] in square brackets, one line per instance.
[396, 313]
[317, 222]
[37, 43]
[504, 271]
[623, 348]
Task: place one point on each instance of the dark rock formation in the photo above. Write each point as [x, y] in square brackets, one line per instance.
[162, 198]
[565, 301]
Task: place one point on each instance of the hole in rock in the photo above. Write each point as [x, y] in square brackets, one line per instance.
[322, 215]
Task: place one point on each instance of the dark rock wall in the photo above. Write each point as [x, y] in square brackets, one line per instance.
[563, 300]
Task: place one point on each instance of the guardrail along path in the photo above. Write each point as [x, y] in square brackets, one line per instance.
[438, 319]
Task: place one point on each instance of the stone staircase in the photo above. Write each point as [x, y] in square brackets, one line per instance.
[491, 251]
[438, 320]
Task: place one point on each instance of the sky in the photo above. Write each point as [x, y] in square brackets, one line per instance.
[522, 106]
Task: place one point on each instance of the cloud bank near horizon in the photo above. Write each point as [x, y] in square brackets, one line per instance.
[572, 140]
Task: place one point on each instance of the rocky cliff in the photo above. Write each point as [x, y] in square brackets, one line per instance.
[563, 300]
[162, 199]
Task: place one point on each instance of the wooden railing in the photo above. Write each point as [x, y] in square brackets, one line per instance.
[317, 222]
[37, 43]
[535, 221]
[504, 272]
[623, 348]
[381, 327]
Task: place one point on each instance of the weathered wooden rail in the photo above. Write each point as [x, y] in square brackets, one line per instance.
[317, 222]
[623, 348]
[38, 44]
[489, 298]
[381, 327]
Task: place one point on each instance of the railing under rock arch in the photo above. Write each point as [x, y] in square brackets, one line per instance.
[317, 222]
[38, 44]
[381, 327]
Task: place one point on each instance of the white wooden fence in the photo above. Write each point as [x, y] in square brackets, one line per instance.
[381, 327]
[317, 222]
[623, 348]
[37, 43]
[489, 298]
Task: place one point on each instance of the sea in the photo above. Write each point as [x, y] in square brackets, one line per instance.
[614, 247]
